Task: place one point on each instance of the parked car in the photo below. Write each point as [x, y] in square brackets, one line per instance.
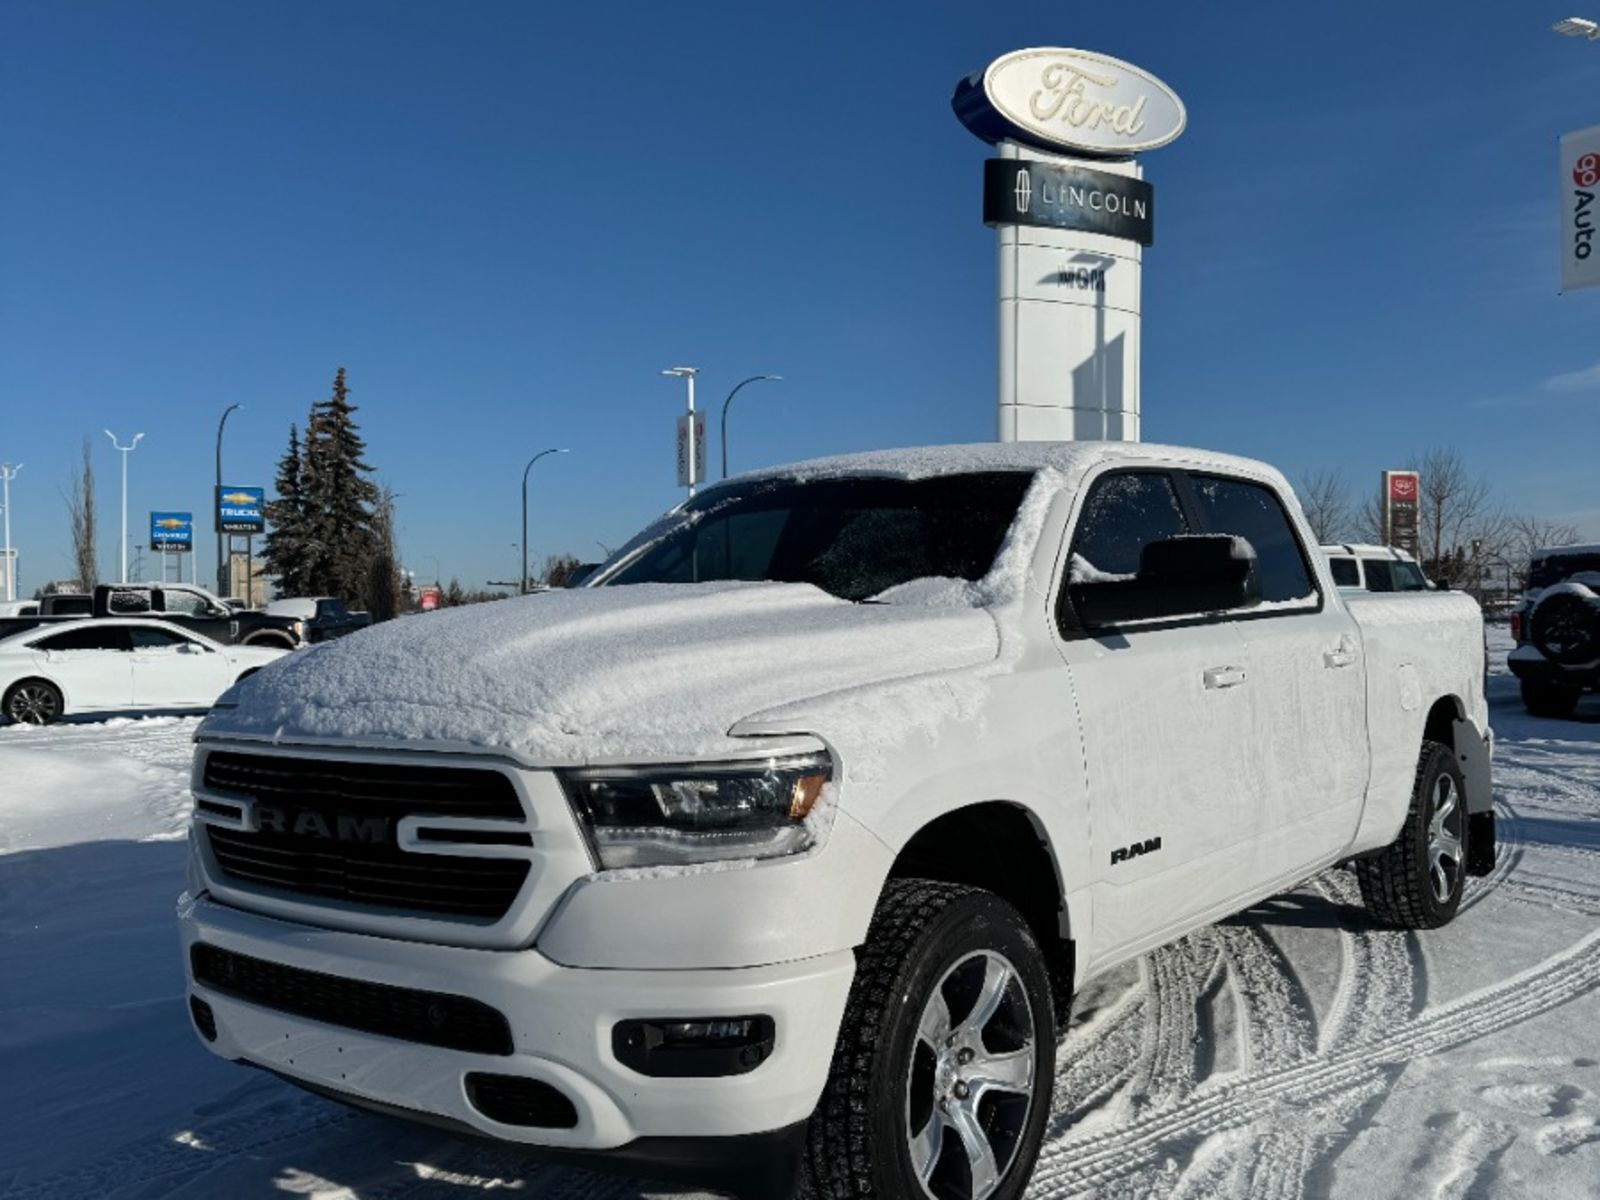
[18, 608]
[324, 617]
[1557, 629]
[186, 605]
[1375, 568]
[780, 847]
[52, 671]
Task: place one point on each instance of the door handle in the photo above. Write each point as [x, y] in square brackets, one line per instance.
[1342, 655]
[1224, 677]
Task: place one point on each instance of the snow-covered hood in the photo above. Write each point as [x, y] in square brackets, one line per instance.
[648, 671]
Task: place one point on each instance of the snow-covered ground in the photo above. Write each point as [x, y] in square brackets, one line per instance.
[1295, 1051]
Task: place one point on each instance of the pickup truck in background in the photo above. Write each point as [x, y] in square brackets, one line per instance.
[324, 617]
[185, 605]
[1557, 630]
[771, 858]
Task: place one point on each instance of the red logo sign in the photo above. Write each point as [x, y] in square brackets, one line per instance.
[1402, 487]
[1586, 171]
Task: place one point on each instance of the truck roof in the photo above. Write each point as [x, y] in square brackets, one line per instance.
[1575, 548]
[1070, 458]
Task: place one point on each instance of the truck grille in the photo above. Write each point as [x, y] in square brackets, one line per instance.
[432, 1018]
[335, 834]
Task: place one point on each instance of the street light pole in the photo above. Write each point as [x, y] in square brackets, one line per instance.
[525, 471]
[728, 401]
[125, 450]
[7, 474]
[222, 567]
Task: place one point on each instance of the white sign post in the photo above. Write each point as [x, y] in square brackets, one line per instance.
[691, 449]
[1580, 209]
[1072, 214]
[8, 574]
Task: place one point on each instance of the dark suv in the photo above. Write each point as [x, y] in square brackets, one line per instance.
[1557, 628]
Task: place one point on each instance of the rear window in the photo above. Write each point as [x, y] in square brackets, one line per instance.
[1345, 572]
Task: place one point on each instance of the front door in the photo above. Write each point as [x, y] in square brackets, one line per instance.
[1163, 706]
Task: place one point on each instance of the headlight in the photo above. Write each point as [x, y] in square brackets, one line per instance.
[677, 816]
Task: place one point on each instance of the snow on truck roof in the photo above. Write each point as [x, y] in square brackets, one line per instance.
[1575, 548]
[1069, 458]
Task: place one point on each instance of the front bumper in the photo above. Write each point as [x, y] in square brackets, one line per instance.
[561, 1021]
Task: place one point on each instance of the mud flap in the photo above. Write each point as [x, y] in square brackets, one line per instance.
[1480, 843]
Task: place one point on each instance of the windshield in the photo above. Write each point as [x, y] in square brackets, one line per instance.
[1557, 568]
[852, 538]
[1394, 575]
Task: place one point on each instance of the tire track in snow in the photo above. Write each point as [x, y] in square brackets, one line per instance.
[1074, 1165]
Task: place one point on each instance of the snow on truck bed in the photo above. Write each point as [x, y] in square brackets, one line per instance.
[1295, 1051]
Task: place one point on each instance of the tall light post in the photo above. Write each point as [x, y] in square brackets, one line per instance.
[728, 401]
[525, 471]
[125, 451]
[692, 470]
[7, 474]
[222, 567]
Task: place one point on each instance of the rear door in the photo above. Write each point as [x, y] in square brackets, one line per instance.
[90, 660]
[173, 671]
[1164, 708]
[1306, 772]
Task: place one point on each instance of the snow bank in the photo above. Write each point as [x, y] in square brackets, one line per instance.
[593, 675]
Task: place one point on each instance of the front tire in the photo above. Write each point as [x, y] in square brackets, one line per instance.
[1549, 699]
[944, 1068]
[1416, 881]
[33, 702]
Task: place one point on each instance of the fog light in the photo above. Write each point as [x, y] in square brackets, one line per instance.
[694, 1047]
[204, 1019]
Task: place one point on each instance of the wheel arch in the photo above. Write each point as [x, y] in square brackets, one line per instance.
[40, 677]
[270, 637]
[1002, 847]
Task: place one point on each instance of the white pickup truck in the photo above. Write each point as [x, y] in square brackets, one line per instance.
[771, 859]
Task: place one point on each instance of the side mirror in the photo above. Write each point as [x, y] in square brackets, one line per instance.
[1178, 577]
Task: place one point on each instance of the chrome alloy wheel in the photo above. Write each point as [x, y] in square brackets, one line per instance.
[1444, 839]
[34, 704]
[970, 1086]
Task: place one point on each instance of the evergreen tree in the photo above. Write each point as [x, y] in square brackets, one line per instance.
[287, 553]
[339, 500]
[454, 597]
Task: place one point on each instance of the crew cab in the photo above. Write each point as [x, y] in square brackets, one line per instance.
[322, 617]
[192, 608]
[1557, 630]
[773, 856]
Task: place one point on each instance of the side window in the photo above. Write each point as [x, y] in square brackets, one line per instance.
[186, 604]
[1123, 513]
[1253, 512]
[1345, 572]
[88, 636]
[146, 638]
[1380, 575]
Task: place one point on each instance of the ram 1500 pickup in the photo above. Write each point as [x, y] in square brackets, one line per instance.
[772, 857]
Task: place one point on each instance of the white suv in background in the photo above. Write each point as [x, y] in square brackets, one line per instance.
[1375, 568]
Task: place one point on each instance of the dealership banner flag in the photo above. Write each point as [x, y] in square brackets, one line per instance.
[1580, 209]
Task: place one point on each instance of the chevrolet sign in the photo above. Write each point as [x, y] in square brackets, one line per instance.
[241, 509]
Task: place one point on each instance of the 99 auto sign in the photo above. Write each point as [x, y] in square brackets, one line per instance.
[1580, 187]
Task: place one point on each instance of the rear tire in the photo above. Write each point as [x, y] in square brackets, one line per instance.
[942, 1075]
[1416, 881]
[1549, 699]
[33, 702]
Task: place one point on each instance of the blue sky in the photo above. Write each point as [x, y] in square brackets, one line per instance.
[504, 219]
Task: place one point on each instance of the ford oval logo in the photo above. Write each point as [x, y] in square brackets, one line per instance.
[1082, 101]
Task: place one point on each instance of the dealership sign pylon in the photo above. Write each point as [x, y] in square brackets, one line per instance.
[1072, 215]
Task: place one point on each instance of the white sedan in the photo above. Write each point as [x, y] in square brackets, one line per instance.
[112, 664]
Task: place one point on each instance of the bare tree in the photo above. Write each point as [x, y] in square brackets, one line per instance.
[386, 589]
[1527, 534]
[1326, 500]
[81, 514]
[1458, 524]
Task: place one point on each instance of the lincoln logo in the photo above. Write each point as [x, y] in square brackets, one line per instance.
[1024, 190]
[333, 827]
